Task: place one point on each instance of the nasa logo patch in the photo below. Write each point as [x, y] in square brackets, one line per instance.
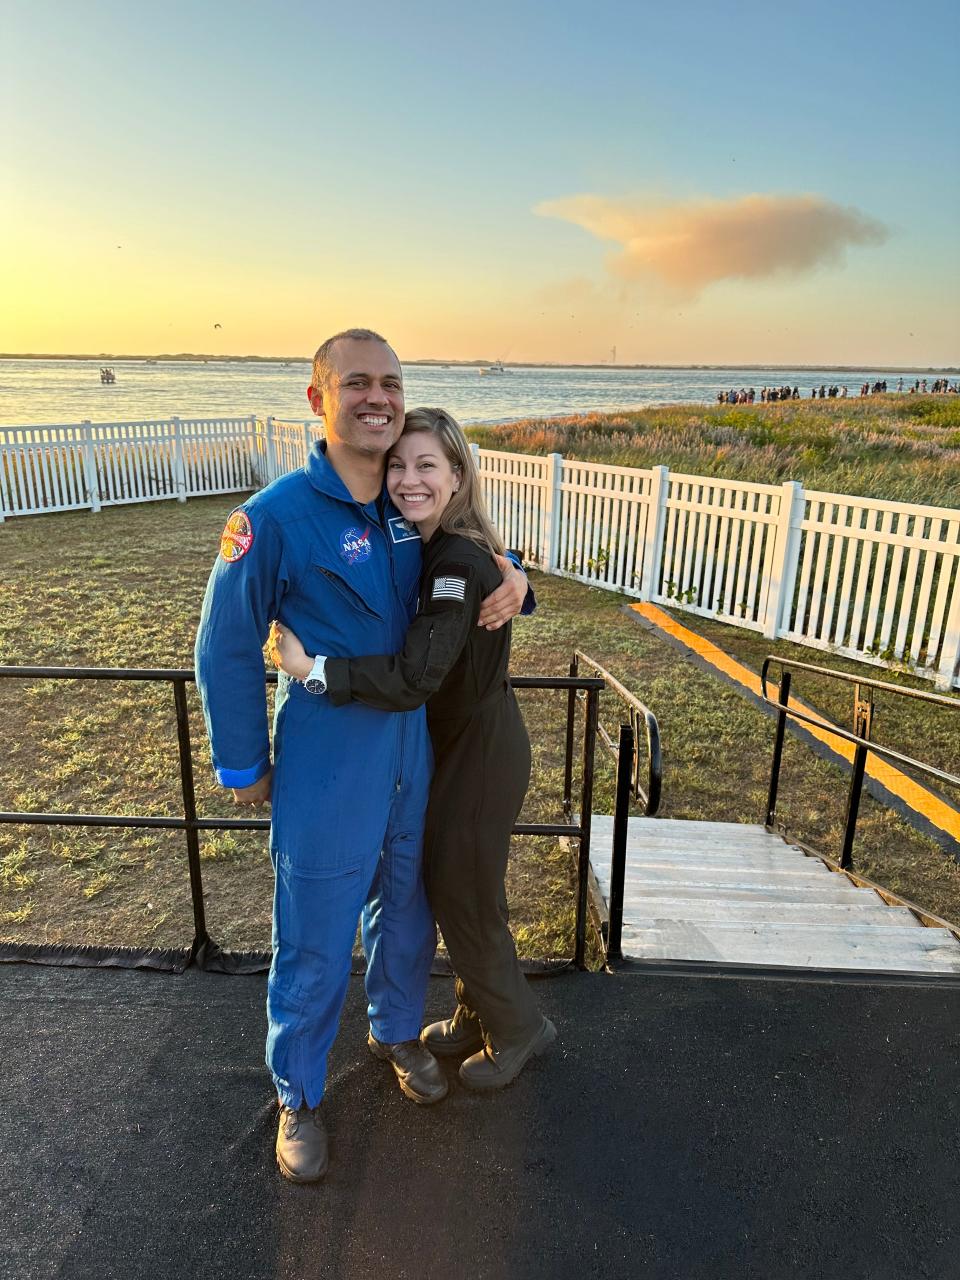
[355, 546]
[237, 537]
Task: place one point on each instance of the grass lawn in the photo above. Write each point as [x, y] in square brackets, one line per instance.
[901, 447]
[123, 589]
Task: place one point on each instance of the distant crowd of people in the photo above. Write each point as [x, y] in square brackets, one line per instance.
[748, 395]
[939, 386]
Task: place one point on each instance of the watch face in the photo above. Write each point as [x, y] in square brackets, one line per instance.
[315, 686]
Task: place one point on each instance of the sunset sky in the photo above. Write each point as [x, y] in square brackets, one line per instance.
[691, 183]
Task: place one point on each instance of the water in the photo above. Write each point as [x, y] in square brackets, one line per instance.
[60, 391]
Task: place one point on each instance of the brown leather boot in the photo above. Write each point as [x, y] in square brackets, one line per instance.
[414, 1066]
[455, 1037]
[497, 1064]
[302, 1144]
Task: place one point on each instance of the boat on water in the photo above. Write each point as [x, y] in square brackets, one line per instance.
[497, 367]
[107, 375]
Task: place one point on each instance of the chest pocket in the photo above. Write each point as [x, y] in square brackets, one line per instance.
[345, 590]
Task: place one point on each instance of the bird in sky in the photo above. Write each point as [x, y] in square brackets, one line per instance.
[218, 326]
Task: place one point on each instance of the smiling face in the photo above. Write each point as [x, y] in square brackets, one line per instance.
[421, 480]
[362, 398]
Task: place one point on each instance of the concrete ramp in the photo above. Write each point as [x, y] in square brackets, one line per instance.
[737, 894]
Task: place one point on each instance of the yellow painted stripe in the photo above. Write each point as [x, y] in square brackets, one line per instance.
[911, 793]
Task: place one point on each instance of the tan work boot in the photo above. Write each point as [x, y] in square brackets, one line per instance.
[302, 1144]
[415, 1067]
[455, 1037]
[497, 1064]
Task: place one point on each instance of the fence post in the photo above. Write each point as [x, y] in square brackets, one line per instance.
[653, 541]
[179, 462]
[550, 526]
[784, 699]
[307, 441]
[621, 826]
[270, 451]
[950, 652]
[586, 819]
[90, 482]
[786, 553]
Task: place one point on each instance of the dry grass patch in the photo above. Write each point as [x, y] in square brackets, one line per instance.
[904, 448]
[123, 588]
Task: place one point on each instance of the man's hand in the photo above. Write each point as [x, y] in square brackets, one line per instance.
[257, 794]
[504, 603]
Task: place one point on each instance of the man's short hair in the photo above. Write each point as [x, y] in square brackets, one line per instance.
[322, 360]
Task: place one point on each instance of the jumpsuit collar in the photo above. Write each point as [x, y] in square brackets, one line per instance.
[323, 477]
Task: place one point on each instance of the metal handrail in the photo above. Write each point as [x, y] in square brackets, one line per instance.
[203, 950]
[628, 786]
[860, 737]
[639, 711]
[844, 676]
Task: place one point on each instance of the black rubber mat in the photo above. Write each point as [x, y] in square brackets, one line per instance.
[683, 1127]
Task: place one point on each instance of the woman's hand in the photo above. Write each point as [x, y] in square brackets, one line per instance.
[287, 653]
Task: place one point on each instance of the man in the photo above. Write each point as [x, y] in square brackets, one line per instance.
[323, 551]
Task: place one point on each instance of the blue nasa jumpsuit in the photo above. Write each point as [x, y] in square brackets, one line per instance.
[350, 784]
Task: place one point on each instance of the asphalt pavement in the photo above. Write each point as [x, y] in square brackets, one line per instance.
[683, 1126]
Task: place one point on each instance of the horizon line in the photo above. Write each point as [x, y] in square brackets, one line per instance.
[208, 357]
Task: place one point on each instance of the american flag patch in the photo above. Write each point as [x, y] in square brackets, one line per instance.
[449, 586]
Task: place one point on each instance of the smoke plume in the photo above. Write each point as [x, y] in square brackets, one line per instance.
[687, 246]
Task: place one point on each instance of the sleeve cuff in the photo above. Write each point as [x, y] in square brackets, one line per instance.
[529, 600]
[338, 680]
[237, 778]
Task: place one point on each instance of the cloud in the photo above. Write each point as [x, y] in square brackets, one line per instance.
[687, 246]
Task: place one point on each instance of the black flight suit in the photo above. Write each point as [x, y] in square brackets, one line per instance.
[482, 767]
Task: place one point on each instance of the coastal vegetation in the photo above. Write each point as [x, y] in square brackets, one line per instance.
[904, 448]
[123, 589]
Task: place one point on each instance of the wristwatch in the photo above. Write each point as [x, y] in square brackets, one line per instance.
[316, 681]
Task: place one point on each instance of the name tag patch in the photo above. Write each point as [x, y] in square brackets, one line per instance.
[449, 586]
[403, 530]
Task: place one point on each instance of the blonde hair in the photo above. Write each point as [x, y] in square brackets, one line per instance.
[466, 512]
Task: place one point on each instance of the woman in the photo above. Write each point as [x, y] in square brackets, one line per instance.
[480, 744]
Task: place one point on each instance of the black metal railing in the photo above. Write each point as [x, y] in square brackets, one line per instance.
[204, 952]
[863, 713]
[628, 786]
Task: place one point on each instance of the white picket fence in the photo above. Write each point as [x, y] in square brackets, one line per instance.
[94, 465]
[876, 581]
[872, 580]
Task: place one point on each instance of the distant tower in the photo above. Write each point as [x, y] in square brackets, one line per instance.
[613, 355]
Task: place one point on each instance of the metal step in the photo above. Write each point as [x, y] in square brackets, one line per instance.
[828, 946]
[826, 891]
[751, 912]
[741, 895]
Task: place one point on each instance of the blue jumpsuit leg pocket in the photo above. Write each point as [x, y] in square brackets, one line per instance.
[315, 921]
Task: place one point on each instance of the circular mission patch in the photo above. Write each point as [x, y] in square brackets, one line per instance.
[237, 537]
